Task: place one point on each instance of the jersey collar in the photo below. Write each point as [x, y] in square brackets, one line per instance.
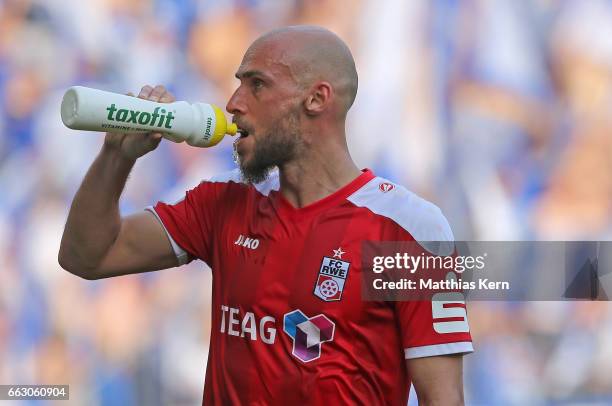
[286, 209]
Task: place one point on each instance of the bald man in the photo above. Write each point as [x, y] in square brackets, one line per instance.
[282, 235]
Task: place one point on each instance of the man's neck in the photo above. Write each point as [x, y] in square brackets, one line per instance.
[316, 175]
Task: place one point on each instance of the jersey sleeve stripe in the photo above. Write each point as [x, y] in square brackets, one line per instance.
[180, 253]
[462, 347]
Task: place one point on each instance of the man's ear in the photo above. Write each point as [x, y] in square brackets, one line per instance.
[319, 99]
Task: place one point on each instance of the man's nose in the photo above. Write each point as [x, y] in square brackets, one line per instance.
[235, 105]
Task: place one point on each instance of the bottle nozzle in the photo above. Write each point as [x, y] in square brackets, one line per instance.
[232, 129]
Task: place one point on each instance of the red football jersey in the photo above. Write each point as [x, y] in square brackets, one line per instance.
[289, 325]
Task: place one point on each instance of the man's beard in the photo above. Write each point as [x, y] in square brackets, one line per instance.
[278, 146]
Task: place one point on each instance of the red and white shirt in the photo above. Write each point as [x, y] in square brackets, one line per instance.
[289, 325]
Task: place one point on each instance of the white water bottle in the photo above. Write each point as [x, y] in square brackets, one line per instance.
[199, 124]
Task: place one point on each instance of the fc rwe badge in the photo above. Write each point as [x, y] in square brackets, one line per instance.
[331, 280]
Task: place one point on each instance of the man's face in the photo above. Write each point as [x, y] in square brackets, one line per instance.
[267, 104]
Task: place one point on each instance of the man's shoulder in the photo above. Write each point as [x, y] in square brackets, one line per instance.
[422, 219]
[233, 179]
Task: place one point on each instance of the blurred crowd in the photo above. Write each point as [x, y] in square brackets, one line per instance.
[498, 111]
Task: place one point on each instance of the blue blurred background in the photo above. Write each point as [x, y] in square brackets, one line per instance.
[496, 110]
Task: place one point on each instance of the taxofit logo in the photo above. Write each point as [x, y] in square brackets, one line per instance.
[308, 334]
[141, 117]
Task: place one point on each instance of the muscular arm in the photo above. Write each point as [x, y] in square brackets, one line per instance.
[97, 242]
[438, 380]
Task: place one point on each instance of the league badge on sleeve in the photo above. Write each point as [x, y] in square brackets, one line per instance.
[332, 277]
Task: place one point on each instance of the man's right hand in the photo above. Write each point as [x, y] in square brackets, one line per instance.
[134, 145]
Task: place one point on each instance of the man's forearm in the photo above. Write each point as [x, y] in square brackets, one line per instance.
[94, 220]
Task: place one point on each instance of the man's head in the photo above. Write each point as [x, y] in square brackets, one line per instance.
[294, 81]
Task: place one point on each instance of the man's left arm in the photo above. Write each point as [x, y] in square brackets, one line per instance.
[437, 380]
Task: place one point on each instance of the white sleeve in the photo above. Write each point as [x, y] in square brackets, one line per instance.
[181, 254]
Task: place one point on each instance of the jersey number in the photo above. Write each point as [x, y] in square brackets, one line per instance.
[448, 312]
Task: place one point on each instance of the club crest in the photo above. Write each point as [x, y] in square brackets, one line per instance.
[331, 279]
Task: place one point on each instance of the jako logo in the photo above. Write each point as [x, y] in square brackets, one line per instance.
[251, 243]
[386, 187]
[308, 334]
[141, 117]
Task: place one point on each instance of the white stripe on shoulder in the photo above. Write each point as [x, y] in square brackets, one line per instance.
[462, 347]
[265, 187]
[421, 219]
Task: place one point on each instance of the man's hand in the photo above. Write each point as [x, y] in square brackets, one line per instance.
[134, 145]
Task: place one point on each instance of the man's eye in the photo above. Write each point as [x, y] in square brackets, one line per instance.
[257, 83]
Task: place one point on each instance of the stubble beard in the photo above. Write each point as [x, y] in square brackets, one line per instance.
[278, 146]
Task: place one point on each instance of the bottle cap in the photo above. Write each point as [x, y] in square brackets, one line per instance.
[232, 129]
